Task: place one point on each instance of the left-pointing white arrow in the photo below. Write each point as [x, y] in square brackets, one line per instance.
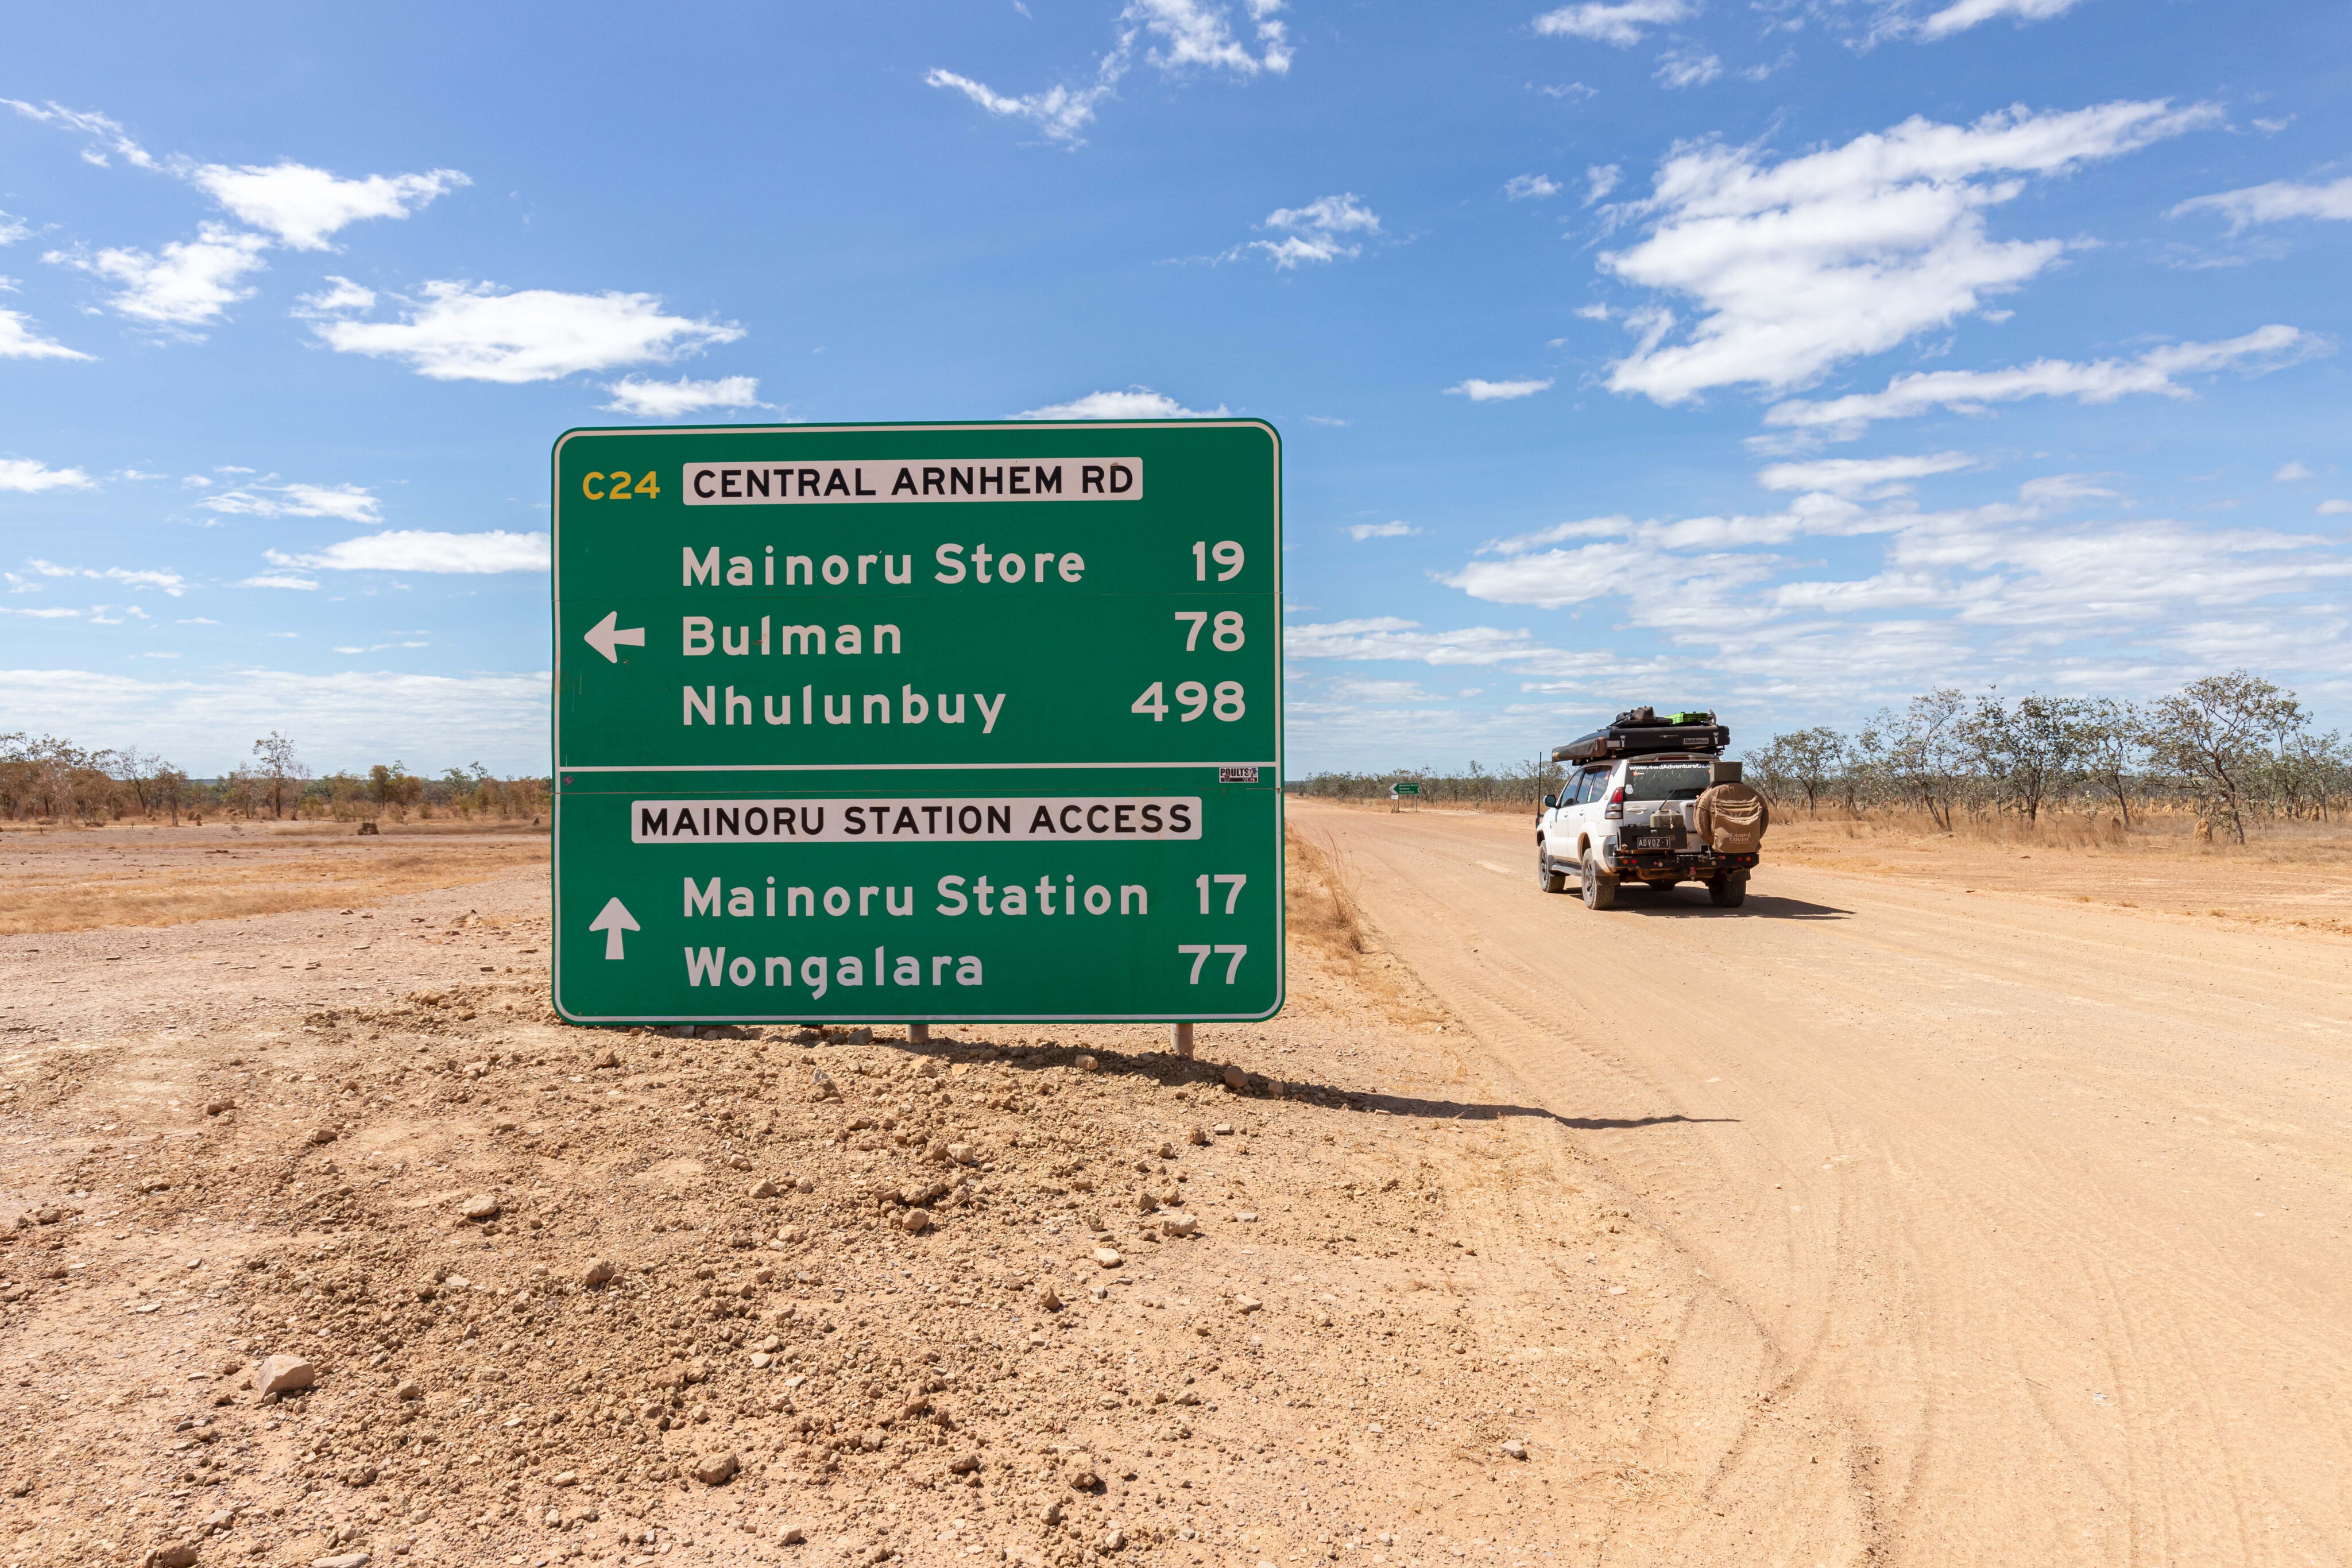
[604, 637]
[615, 919]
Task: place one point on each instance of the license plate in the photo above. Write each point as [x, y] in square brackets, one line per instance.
[1650, 844]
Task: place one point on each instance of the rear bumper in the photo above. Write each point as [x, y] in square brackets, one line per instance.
[1697, 865]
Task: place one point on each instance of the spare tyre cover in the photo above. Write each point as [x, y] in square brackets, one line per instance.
[1732, 818]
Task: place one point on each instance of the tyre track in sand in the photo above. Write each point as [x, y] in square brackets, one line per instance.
[2027, 1220]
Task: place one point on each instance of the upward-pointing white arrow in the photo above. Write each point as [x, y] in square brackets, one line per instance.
[615, 920]
[604, 637]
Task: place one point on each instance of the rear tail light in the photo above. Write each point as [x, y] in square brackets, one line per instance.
[1616, 811]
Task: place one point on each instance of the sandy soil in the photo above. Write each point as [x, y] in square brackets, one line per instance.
[1417, 1325]
[2019, 1191]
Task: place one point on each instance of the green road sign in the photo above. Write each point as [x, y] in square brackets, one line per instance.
[919, 723]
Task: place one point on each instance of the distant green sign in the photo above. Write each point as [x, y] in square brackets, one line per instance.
[1404, 789]
[921, 723]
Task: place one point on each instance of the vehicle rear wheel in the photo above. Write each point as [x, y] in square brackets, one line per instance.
[1546, 879]
[1600, 892]
[1728, 892]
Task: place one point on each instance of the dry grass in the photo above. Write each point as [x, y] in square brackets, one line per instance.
[2163, 837]
[67, 887]
[1318, 901]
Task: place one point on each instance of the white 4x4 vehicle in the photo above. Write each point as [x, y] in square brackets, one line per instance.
[1629, 820]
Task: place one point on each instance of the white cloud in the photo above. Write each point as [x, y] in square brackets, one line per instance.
[470, 331]
[411, 550]
[1135, 402]
[1478, 390]
[2100, 381]
[1555, 579]
[1523, 187]
[1798, 265]
[1319, 231]
[171, 583]
[343, 296]
[351, 503]
[1594, 312]
[1387, 637]
[1620, 24]
[190, 282]
[344, 720]
[1176, 35]
[1061, 112]
[1199, 32]
[105, 135]
[1359, 532]
[1963, 15]
[19, 341]
[304, 206]
[197, 620]
[2274, 203]
[45, 614]
[278, 579]
[1687, 68]
[2290, 472]
[2062, 490]
[2333, 508]
[11, 229]
[31, 478]
[1600, 180]
[1880, 476]
[668, 400]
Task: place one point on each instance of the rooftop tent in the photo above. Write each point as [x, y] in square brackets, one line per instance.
[1643, 731]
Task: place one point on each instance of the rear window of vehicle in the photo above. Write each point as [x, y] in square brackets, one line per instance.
[1665, 781]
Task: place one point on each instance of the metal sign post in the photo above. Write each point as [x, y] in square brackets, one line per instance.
[938, 723]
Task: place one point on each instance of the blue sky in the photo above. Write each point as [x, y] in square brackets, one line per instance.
[1783, 357]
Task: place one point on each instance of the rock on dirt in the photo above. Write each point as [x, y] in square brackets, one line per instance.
[598, 1274]
[1107, 1257]
[284, 1374]
[480, 1207]
[716, 1470]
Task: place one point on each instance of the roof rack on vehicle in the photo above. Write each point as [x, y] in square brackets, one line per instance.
[1642, 731]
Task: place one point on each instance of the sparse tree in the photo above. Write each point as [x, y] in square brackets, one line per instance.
[2026, 752]
[1803, 762]
[168, 786]
[2216, 734]
[2114, 749]
[1924, 750]
[281, 771]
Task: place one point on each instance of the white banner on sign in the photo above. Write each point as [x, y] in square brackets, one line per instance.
[864, 481]
[1034, 818]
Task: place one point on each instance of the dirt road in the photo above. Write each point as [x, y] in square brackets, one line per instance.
[2028, 1217]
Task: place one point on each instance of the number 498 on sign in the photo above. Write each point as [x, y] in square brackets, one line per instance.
[1226, 703]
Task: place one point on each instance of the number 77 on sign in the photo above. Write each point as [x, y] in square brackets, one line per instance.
[1200, 951]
